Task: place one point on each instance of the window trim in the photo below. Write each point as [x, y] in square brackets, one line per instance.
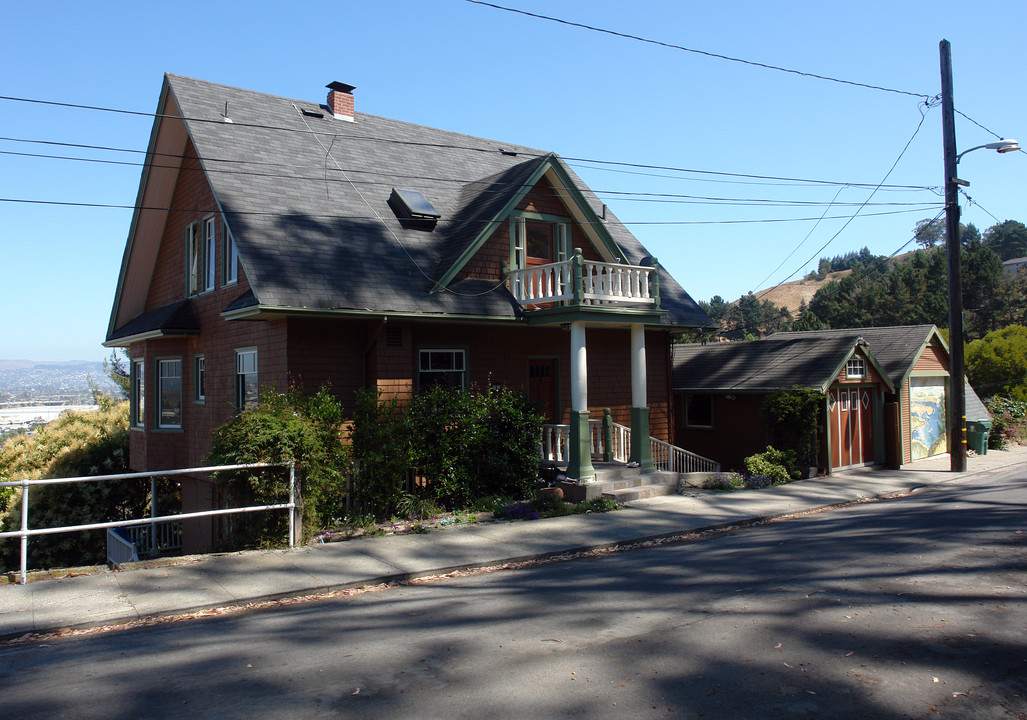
[137, 404]
[159, 377]
[199, 379]
[229, 257]
[562, 242]
[851, 365]
[200, 243]
[238, 391]
[464, 372]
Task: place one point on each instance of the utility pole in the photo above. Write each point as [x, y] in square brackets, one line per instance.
[957, 393]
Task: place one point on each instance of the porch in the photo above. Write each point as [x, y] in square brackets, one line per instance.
[614, 472]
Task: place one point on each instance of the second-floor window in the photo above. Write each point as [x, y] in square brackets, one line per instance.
[539, 240]
[200, 242]
[230, 257]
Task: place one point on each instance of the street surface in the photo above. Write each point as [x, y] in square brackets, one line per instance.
[907, 608]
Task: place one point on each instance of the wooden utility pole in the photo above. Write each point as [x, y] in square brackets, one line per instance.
[956, 400]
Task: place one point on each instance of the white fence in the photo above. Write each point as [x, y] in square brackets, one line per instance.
[153, 521]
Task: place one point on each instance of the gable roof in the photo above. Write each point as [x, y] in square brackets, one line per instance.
[896, 348]
[765, 366]
[305, 196]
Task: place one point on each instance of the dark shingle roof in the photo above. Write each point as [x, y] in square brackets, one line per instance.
[895, 348]
[317, 232]
[178, 318]
[759, 365]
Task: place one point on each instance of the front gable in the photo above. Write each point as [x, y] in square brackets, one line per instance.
[548, 194]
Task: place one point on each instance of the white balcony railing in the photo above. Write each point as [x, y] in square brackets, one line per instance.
[585, 282]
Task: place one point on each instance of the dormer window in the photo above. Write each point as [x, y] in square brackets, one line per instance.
[855, 368]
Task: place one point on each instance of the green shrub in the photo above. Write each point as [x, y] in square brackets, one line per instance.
[283, 428]
[381, 450]
[1008, 422]
[465, 446]
[777, 465]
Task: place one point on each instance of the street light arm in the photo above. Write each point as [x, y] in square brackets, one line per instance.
[1002, 146]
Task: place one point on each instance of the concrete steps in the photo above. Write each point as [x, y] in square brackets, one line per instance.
[624, 484]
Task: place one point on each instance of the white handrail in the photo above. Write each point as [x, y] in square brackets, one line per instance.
[25, 484]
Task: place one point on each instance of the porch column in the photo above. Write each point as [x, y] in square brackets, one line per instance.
[641, 452]
[579, 462]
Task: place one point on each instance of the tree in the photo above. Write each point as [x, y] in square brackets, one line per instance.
[997, 363]
[929, 233]
[1007, 239]
[116, 368]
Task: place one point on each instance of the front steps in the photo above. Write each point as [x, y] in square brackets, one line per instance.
[624, 484]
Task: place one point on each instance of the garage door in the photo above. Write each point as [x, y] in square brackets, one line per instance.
[927, 426]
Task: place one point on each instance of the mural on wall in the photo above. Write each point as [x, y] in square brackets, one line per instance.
[927, 417]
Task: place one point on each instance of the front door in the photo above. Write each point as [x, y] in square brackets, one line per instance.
[852, 425]
[542, 387]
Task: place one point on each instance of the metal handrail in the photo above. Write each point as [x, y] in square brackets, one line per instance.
[25, 532]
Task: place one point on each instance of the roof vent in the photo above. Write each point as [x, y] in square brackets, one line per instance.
[413, 208]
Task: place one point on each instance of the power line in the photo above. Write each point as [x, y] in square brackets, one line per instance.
[673, 46]
[333, 216]
[495, 188]
[591, 161]
[923, 117]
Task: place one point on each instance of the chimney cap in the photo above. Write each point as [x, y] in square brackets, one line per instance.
[341, 87]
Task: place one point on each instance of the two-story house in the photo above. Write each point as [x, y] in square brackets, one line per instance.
[287, 242]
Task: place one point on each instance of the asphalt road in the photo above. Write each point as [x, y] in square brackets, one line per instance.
[907, 608]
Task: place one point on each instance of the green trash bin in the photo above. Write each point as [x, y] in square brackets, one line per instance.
[977, 432]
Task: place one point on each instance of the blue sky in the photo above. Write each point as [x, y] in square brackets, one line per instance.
[583, 94]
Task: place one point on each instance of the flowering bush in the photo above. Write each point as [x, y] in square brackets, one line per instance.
[723, 481]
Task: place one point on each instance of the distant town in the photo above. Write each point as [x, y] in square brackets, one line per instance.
[35, 392]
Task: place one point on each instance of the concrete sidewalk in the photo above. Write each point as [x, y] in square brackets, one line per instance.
[239, 578]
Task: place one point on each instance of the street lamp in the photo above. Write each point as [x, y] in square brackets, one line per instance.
[957, 393]
[1000, 146]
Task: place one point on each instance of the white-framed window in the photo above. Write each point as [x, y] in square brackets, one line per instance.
[200, 243]
[444, 366]
[699, 411]
[246, 389]
[169, 393]
[230, 259]
[199, 379]
[855, 368]
[137, 407]
[537, 239]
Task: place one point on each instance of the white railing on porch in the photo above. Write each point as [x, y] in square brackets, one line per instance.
[555, 448]
[599, 283]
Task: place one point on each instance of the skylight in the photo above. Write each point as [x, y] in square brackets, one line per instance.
[410, 204]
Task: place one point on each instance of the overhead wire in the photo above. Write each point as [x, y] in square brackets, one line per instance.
[673, 46]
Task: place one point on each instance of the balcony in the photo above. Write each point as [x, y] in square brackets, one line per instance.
[581, 282]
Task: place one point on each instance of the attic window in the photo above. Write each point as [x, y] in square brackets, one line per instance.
[414, 208]
[855, 368]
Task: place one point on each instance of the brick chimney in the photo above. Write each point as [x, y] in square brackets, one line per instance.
[340, 100]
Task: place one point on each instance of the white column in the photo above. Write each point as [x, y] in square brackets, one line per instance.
[639, 397]
[579, 369]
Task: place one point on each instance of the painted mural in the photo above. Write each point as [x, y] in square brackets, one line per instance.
[927, 417]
